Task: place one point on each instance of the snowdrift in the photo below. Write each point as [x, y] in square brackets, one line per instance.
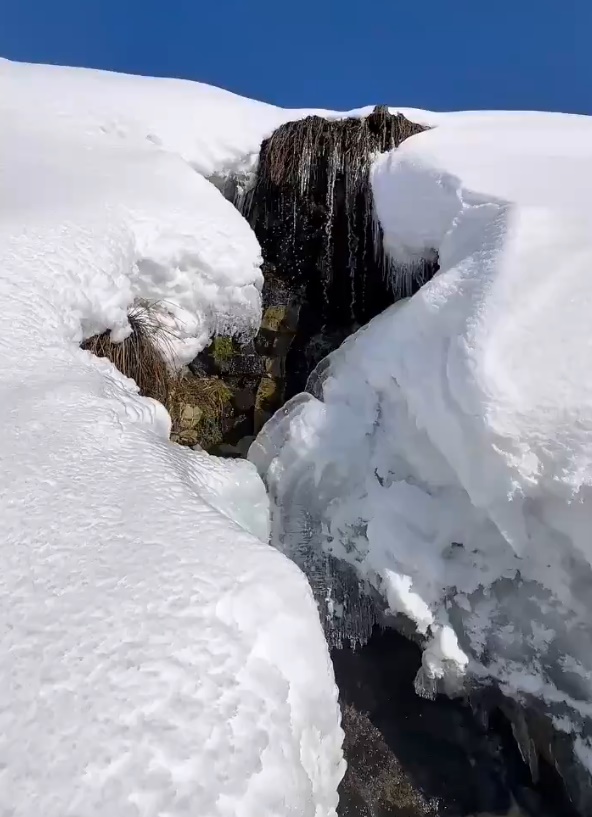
[446, 450]
[156, 655]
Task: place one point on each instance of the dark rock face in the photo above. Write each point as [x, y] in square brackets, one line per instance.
[312, 212]
[549, 754]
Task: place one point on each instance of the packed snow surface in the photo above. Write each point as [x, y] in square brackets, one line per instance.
[157, 657]
[446, 450]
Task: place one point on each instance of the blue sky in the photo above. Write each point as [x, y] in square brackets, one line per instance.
[440, 54]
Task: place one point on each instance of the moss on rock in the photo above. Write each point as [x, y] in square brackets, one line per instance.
[222, 350]
[199, 408]
[274, 318]
[269, 397]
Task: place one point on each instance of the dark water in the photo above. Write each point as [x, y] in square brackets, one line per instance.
[409, 756]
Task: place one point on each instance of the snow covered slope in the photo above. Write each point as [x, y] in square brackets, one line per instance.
[156, 657]
[208, 127]
[185, 246]
[451, 459]
[211, 129]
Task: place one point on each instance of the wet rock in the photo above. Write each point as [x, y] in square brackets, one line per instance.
[244, 399]
[201, 366]
[549, 754]
[275, 367]
[280, 318]
[376, 784]
[190, 416]
[225, 450]
[254, 372]
[412, 757]
[243, 361]
[269, 397]
[244, 445]
[279, 289]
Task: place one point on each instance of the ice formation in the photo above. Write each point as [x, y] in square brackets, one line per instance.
[446, 449]
[156, 655]
[312, 193]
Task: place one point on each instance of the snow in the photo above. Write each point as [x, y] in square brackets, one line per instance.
[156, 655]
[181, 243]
[209, 128]
[450, 460]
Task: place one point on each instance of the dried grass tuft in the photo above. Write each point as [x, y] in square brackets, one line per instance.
[210, 394]
[143, 357]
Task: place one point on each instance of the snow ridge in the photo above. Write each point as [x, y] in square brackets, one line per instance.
[156, 655]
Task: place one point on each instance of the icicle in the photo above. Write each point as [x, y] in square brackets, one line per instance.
[352, 243]
[294, 233]
[306, 228]
[334, 160]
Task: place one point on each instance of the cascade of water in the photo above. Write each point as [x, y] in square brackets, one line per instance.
[312, 210]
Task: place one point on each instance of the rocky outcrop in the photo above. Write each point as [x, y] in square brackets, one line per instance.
[312, 211]
[254, 373]
[325, 272]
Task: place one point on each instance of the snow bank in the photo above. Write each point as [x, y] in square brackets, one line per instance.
[184, 245]
[193, 251]
[155, 656]
[209, 128]
[451, 458]
[213, 130]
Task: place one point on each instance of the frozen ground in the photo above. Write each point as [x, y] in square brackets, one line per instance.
[450, 460]
[156, 657]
